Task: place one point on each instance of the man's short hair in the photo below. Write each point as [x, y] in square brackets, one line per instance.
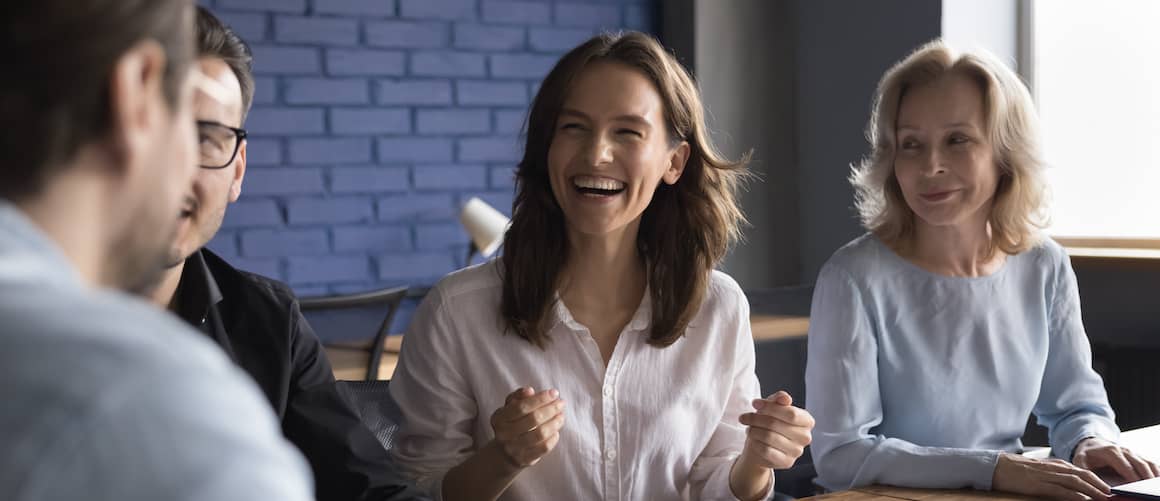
[215, 39]
[58, 59]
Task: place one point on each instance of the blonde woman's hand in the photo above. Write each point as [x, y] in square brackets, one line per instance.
[1050, 478]
[528, 426]
[1095, 454]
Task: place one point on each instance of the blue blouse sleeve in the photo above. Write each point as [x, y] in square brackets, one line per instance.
[842, 394]
[1072, 403]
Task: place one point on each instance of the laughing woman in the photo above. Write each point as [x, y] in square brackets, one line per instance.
[934, 336]
[602, 357]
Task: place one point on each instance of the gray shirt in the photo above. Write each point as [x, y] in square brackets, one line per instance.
[105, 397]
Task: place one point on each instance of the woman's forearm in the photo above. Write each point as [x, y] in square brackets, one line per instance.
[748, 480]
[483, 476]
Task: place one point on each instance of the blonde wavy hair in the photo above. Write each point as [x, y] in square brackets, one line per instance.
[1019, 209]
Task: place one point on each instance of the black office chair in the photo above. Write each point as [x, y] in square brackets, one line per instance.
[374, 405]
[339, 315]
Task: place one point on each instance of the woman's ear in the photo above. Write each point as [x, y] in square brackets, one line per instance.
[677, 160]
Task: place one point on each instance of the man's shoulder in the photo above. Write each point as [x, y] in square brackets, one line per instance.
[256, 292]
[96, 372]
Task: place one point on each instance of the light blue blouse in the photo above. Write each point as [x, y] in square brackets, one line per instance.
[921, 380]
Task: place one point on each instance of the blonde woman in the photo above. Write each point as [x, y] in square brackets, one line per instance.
[936, 334]
[602, 357]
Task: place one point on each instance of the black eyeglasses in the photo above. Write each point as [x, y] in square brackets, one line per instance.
[217, 144]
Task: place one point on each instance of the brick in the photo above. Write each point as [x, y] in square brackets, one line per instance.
[483, 37]
[638, 17]
[329, 210]
[521, 65]
[312, 291]
[509, 121]
[447, 64]
[330, 150]
[450, 177]
[315, 30]
[490, 149]
[251, 213]
[291, 6]
[440, 236]
[405, 312]
[456, 121]
[557, 39]
[413, 92]
[263, 151]
[369, 179]
[425, 267]
[361, 8]
[327, 91]
[448, 10]
[372, 239]
[286, 60]
[501, 177]
[517, 12]
[327, 269]
[432, 207]
[365, 62]
[370, 121]
[286, 121]
[588, 15]
[250, 26]
[265, 90]
[224, 243]
[407, 34]
[267, 267]
[484, 93]
[350, 288]
[282, 180]
[277, 243]
[415, 150]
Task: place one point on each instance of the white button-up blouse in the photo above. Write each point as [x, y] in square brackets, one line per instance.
[655, 424]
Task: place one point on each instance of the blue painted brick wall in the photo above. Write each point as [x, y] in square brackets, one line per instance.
[375, 120]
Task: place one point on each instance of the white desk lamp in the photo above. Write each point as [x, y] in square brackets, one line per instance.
[484, 225]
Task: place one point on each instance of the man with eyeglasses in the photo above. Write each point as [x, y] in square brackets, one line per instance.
[254, 319]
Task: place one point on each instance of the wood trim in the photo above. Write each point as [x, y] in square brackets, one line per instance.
[1108, 243]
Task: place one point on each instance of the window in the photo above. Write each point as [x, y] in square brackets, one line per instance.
[1096, 78]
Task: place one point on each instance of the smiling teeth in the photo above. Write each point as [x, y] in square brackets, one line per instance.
[598, 183]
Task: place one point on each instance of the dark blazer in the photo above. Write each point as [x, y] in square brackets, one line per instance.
[257, 322]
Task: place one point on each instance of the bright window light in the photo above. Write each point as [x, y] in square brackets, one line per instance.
[1097, 82]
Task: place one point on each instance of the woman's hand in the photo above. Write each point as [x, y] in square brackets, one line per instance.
[778, 432]
[777, 435]
[528, 426]
[1094, 454]
[1052, 478]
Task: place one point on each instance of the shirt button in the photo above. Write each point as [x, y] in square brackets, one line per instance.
[608, 391]
[610, 454]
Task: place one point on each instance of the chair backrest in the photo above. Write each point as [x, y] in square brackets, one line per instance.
[348, 317]
[374, 405]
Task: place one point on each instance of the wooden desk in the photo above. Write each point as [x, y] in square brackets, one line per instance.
[776, 327]
[1144, 441]
[349, 360]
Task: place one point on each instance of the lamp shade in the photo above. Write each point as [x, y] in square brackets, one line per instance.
[484, 225]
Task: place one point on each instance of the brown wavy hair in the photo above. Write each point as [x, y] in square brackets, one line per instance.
[684, 232]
